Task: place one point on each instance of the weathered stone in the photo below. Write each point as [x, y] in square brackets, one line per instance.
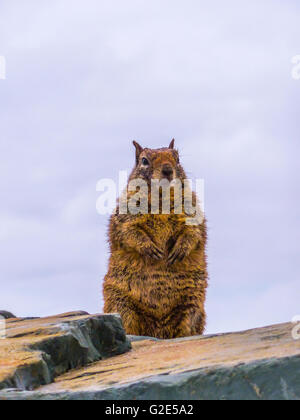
[6, 315]
[38, 350]
[134, 338]
[261, 364]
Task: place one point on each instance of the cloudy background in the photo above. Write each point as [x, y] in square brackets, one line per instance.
[85, 78]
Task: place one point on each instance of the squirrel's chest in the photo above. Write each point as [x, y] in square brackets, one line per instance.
[161, 228]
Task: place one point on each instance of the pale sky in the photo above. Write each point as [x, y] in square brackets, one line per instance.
[85, 78]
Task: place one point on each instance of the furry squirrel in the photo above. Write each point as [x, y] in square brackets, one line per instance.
[157, 276]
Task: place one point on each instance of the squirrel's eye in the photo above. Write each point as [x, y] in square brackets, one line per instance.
[145, 162]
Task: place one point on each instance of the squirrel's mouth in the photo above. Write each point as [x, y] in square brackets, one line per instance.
[167, 175]
[167, 172]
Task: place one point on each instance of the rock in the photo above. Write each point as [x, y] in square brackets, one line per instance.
[6, 315]
[134, 338]
[260, 364]
[36, 351]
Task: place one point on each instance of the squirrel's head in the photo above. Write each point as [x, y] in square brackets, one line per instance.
[159, 164]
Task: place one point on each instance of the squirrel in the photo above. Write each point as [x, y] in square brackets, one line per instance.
[157, 275]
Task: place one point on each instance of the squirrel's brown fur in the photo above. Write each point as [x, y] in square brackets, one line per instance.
[157, 275]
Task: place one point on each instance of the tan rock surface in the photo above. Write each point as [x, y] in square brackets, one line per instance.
[150, 358]
[59, 358]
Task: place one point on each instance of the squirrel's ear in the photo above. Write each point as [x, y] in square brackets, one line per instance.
[172, 144]
[138, 150]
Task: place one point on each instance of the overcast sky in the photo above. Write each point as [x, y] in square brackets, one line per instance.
[85, 78]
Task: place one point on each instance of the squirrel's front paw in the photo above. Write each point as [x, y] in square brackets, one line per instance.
[180, 250]
[150, 249]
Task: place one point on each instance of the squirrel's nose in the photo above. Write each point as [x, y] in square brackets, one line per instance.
[167, 170]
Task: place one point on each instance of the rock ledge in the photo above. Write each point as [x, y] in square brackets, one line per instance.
[260, 364]
[36, 351]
